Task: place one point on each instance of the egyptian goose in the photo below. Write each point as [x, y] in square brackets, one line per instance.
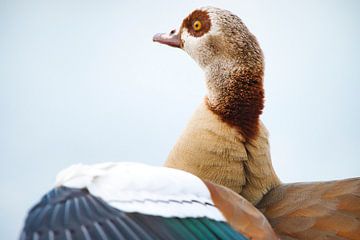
[134, 201]
[131, 201]
[137, 201]
[226, 143]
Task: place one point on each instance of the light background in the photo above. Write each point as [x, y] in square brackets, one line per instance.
[81, 81]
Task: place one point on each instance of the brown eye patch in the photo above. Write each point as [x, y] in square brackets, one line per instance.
[202, 17]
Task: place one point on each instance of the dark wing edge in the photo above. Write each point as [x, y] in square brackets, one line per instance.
[68, 213]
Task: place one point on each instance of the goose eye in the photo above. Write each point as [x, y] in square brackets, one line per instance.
[197, 25]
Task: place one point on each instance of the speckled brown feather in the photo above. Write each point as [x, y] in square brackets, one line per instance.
[323, 210]
[240, 213]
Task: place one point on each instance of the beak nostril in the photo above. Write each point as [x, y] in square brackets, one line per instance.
[171, 39]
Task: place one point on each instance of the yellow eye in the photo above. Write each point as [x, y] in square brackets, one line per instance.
[197, 25]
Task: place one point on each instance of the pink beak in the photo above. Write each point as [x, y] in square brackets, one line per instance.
[172, 39]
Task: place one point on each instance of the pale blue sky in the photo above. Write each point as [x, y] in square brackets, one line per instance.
[82, 81]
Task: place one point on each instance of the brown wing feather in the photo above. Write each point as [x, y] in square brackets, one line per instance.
[323, 210]
[240, 213]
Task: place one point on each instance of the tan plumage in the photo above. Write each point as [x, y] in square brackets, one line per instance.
[226, 143]
[213, 150]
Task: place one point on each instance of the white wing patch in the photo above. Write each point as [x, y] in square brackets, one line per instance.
[135, 187]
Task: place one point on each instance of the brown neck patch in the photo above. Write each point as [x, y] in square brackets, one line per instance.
[197, 15]
[241, 104]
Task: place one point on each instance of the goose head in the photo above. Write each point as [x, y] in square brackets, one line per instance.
[232, 61]
[211, 34]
